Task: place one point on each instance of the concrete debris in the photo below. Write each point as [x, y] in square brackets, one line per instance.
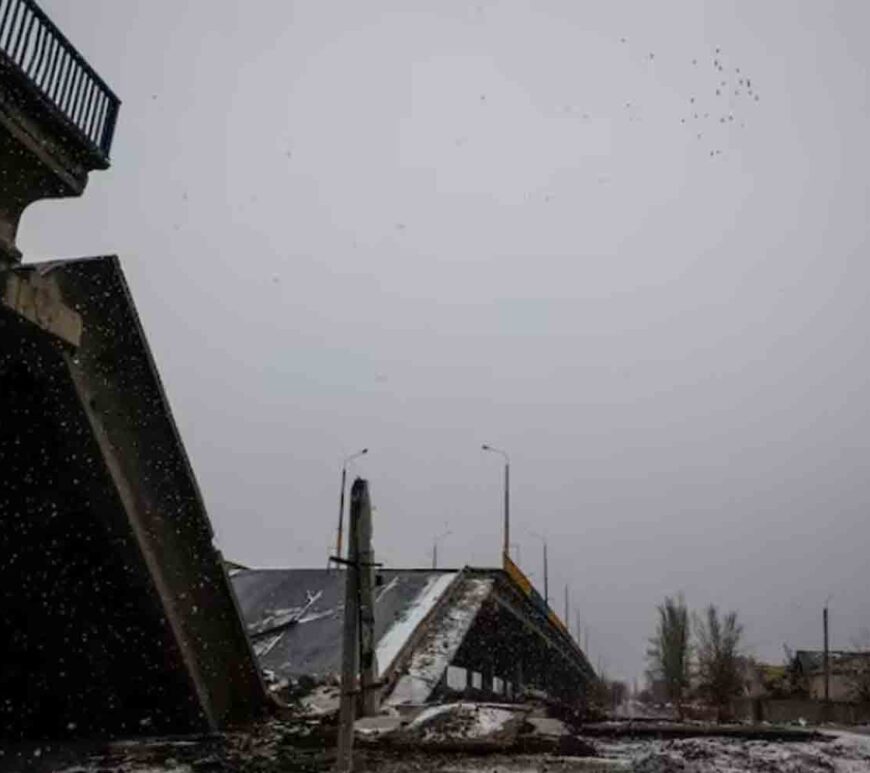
[322, 700]
[546, 735]
[547, 726]
[269, 747]
[304, 745]
[475, 727]
[373, 727]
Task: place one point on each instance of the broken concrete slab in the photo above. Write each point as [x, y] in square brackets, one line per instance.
[436, 647]
[294, 615]
[466, 727]
[369, 728]
[426, 621]
[547, 726]
[120, 615]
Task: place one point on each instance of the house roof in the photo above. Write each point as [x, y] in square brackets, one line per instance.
[813, 661]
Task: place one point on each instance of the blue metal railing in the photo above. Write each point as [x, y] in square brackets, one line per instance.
[31, 42]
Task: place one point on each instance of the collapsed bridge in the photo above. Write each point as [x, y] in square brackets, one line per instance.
[439, 633]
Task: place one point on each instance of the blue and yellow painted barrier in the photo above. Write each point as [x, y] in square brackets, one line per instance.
[525, 585]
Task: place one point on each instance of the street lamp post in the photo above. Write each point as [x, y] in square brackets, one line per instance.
[344, 464]
[567, 618]
[507, 496]
[435, 547]
[546, 576]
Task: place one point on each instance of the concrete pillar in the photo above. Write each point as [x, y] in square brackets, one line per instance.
[487, 677]
[518, 678]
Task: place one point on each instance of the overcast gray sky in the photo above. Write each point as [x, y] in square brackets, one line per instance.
[421, 226]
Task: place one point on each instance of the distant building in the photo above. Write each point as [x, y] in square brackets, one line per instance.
[763, 680]
[847, 671]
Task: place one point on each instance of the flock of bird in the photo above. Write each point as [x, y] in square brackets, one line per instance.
[730, 91]
[719, 107]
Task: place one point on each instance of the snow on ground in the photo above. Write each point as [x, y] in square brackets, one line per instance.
[396, 636]
[531, 764]
[128, 769]
[843, 753]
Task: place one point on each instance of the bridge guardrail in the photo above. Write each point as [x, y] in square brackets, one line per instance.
[32, 43]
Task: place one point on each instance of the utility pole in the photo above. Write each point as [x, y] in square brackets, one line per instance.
[567, 610]
[546, 573]
[507, 504]
[358, 662]
[349, 659]
[341, 512]
[506, 545]
[344, 464]
[546, 577]
[360, 502]
[826, 656]
[435, 542]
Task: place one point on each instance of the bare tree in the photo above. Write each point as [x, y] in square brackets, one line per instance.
[859, 679]
[618, 693]
[668, 653]
[718, 651]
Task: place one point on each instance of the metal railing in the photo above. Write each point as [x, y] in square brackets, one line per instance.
[31, 42]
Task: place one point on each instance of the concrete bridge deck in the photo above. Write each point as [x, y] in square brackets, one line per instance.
[477, 620]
